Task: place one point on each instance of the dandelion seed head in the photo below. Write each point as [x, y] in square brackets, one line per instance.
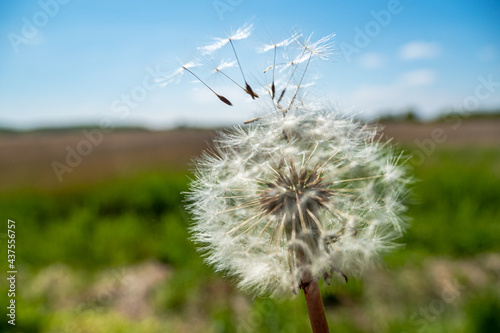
[312, 193]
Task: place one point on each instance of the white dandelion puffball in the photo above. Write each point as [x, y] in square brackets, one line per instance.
[288, 199]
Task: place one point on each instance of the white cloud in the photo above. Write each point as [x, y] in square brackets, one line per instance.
[419, 50]
[371, 60]
[419, 77]
[409, 89]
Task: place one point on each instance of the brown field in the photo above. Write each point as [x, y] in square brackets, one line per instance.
[26, 158]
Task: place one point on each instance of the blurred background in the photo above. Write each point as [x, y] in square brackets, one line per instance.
[95, 155]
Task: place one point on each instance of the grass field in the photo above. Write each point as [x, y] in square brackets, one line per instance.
[111, 254]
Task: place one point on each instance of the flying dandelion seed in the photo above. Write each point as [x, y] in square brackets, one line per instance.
[228, 64]
[275, 47]
[283, 43]
[176, 75]
[241, 33]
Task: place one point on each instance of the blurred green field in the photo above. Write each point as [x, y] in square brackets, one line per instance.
[78, 245]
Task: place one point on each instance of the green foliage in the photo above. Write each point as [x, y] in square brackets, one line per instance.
[456, 204]
[483, 312]
[115, 223]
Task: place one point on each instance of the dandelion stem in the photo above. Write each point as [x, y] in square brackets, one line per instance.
[315, 308]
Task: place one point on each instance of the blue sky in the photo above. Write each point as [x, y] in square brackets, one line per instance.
[74, 62]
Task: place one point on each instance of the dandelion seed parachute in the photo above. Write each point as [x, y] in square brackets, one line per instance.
[242, 33]
[309, 194]
[176, 75]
